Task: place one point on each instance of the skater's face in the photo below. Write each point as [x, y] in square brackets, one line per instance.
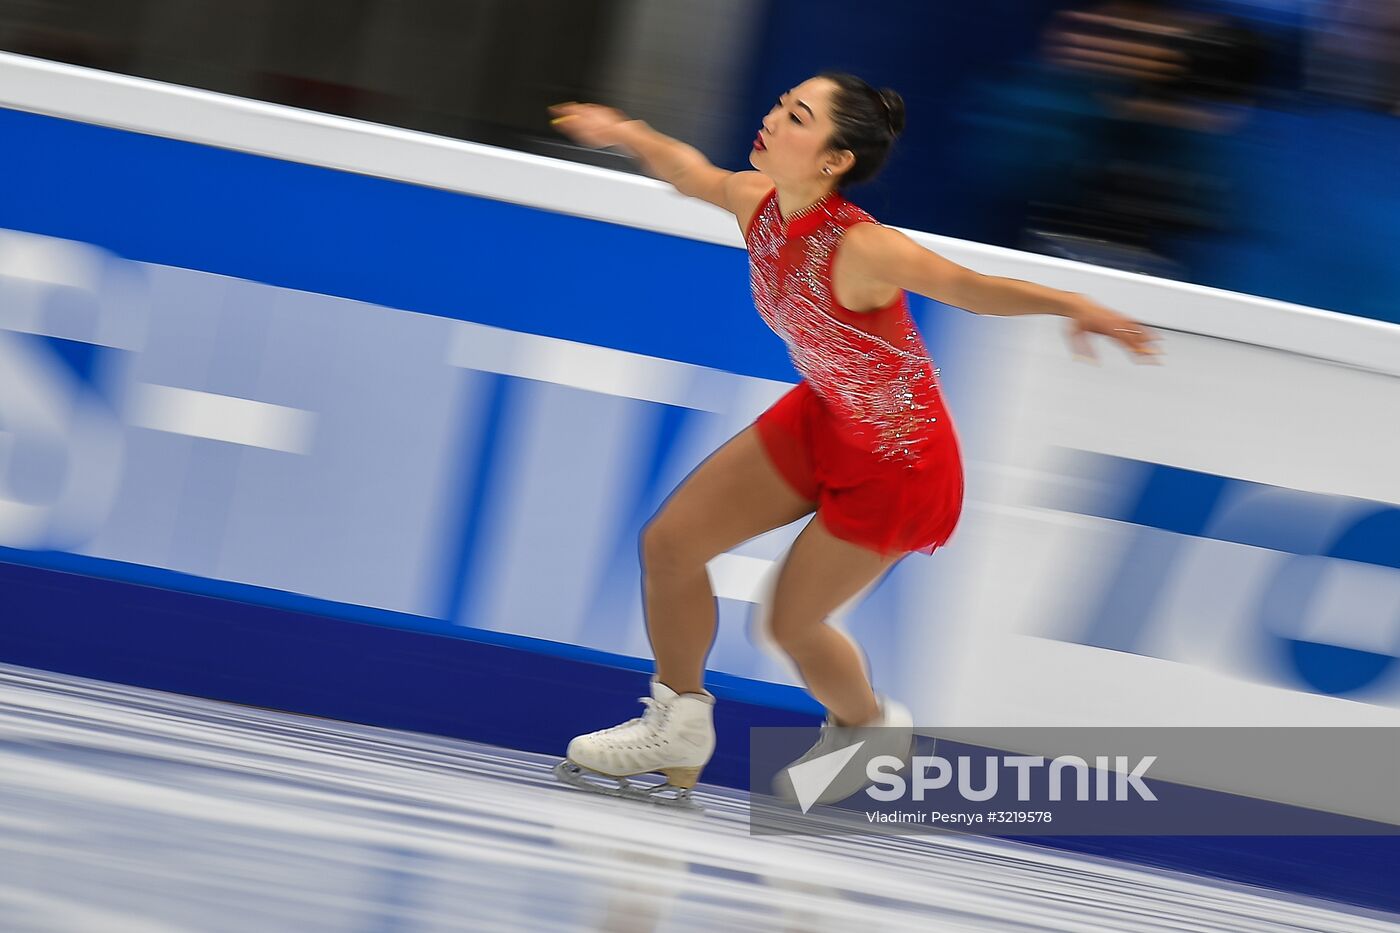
[793, 144]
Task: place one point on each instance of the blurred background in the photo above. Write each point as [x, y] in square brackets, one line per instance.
[1243, 144]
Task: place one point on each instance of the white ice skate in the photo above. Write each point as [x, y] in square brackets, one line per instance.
[675, 736]
[891, 734]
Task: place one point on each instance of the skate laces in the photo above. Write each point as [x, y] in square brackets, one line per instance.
[645, 722]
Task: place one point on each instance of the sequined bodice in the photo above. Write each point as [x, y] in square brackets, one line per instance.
[884, 392]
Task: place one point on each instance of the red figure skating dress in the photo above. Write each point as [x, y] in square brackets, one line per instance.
[866, 433]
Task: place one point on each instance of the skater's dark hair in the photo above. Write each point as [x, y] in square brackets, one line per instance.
[868, 121]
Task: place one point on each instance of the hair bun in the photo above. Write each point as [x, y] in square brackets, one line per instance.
[894, 109]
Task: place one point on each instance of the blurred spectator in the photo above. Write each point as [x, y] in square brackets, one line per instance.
[475, 69]
[1110, 133]
[1355, 53]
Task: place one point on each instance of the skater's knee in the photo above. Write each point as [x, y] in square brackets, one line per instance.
[793, 635]
[667, 546]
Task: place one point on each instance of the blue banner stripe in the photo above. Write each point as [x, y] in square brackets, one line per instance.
[404, 246]
[1184, 501]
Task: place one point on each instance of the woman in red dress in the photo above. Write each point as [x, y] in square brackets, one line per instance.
[865, 442]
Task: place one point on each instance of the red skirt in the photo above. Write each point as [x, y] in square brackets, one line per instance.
[887, 507]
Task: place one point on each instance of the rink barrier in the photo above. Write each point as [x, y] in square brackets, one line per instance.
[506, 690]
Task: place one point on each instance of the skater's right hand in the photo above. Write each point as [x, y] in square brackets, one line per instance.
[593, 125]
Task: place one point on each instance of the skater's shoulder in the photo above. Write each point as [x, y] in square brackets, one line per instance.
[747, 193]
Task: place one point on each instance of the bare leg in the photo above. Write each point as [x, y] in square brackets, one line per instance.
[734, 495]
[820, 574]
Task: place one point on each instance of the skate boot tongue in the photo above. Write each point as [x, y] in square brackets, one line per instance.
[666, 696]
[833, 735]
[662, 693]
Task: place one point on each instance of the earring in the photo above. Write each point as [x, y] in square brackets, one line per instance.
[826, 171]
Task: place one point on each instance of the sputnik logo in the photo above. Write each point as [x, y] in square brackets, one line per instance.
[811, 778]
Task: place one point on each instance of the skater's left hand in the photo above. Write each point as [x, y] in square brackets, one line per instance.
[1089, 317]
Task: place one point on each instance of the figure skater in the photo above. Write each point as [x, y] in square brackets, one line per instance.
[865, 440]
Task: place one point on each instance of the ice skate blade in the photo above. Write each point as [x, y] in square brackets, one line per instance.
[582, 778]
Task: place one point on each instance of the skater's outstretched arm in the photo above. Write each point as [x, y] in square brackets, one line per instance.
[674, 162]
[885, 255]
